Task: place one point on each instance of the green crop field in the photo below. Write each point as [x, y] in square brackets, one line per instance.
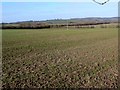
[57, 58]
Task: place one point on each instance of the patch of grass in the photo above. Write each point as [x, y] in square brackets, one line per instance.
[57, 58]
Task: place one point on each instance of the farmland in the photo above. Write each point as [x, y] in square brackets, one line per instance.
[56, 58]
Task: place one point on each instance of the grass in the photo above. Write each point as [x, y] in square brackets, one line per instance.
[57, 58]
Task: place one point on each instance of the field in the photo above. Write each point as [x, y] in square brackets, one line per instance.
[57, 58]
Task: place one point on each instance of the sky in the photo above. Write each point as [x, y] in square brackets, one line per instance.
[55, 0]
[36, 11]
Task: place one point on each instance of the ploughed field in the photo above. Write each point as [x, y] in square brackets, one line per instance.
[57, 58]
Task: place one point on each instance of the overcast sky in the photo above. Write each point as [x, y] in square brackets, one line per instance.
[25, 11]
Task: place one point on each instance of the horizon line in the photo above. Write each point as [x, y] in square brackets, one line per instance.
[58, 19]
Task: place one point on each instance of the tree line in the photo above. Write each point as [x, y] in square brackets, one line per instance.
[45, 25]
